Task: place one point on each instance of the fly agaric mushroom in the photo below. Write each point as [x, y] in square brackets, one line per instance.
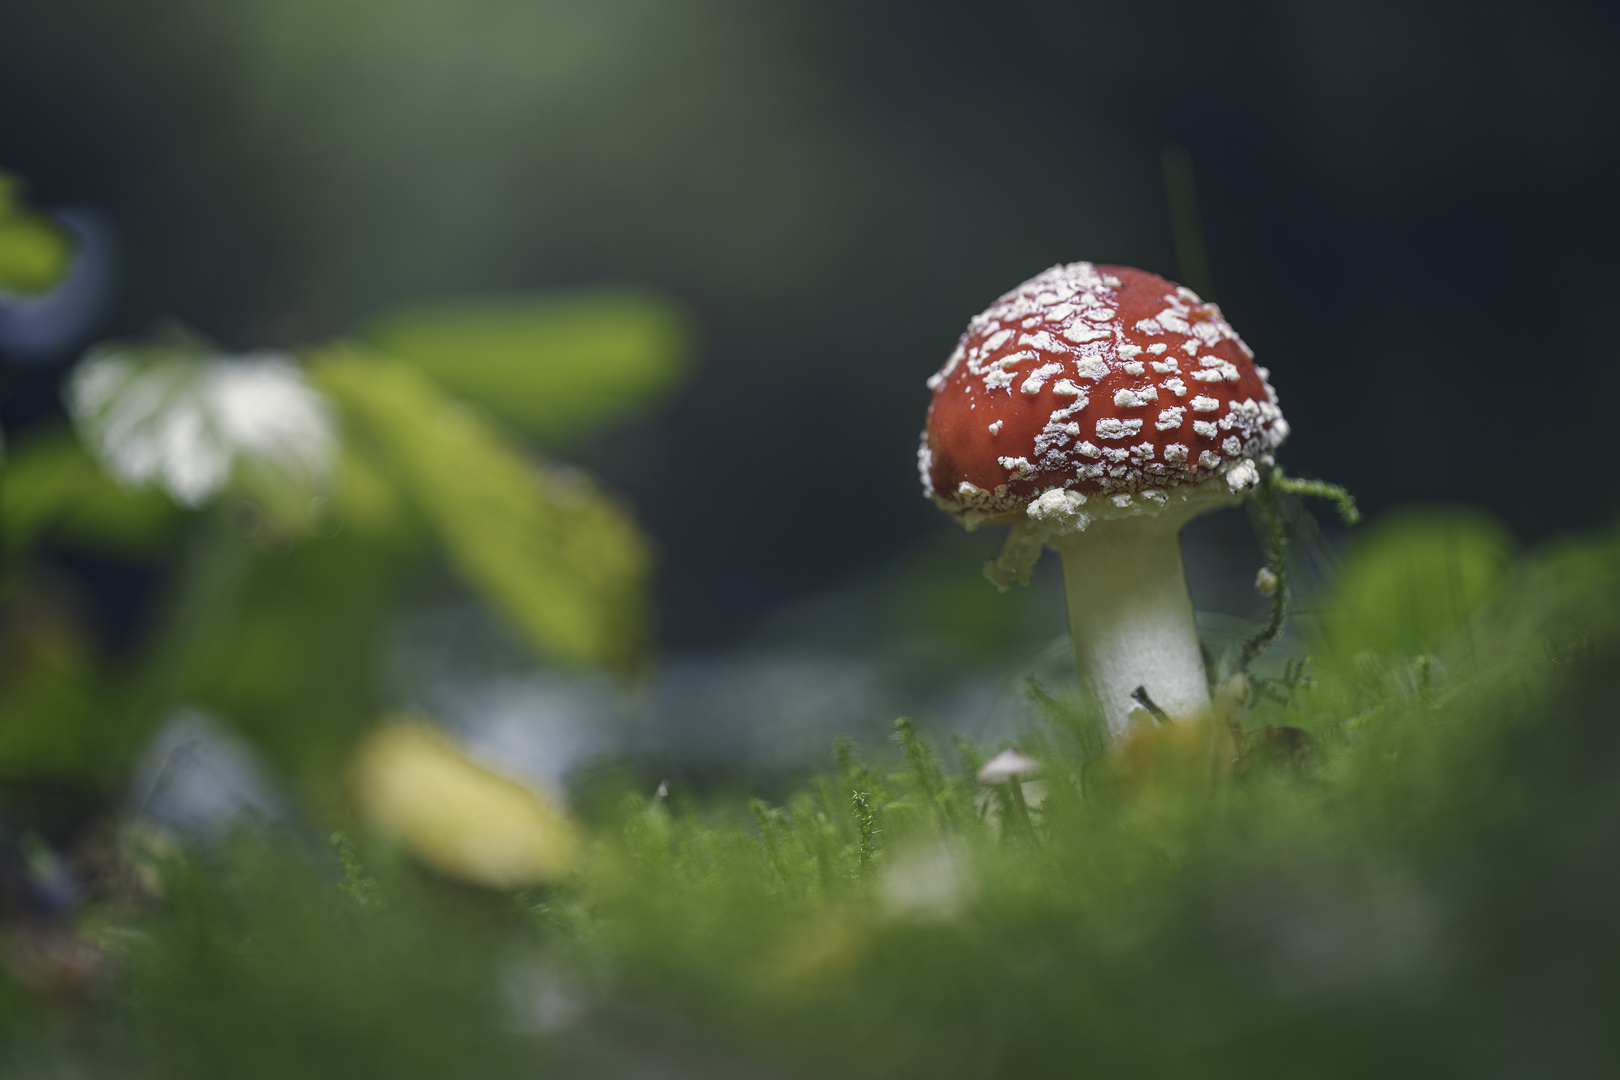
[1097, 409]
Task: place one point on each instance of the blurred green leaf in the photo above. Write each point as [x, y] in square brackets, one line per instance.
[552, 365]
[1414, 577]
[51, 486]
[562, 560]
[55, 716]
[284, 643]
[34, 251]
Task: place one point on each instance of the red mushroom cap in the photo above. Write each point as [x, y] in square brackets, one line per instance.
[1100, 386]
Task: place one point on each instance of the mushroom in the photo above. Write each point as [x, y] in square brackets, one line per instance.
[1096, 410]
[1012, 768]
[1009, 765]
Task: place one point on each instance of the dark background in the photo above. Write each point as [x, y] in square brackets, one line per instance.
[1409, 208]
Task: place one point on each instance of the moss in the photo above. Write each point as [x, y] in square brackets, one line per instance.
[1397, 857]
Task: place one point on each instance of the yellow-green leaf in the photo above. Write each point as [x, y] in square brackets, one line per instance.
[560, 558]
[34, 251]
[552, 365]
[413, 784]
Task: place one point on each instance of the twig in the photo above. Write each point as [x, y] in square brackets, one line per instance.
[1140, 696]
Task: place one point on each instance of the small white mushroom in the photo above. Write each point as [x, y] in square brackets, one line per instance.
[1007, 766]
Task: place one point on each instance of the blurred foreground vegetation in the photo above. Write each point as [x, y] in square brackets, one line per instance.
[1405, 863]
[1392, 849]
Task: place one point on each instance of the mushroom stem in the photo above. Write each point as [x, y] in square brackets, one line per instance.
[1131, 618]
[1015, 790]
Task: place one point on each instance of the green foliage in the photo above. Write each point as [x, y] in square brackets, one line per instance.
[64, 719]
[52, 489]
[867, 825]
[552, 365]
[562, 560]
[1378, 890]
[1426, 876]
[291, 508]
[1414, 578]
[59, 721]
[220, 980]
[358, 885]
[284, 643]
[34, 251]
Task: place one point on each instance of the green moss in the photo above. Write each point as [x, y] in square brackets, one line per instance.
[1390, 885]
[1401, 858]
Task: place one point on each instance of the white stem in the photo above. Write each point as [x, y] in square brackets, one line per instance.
[1131, 618]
